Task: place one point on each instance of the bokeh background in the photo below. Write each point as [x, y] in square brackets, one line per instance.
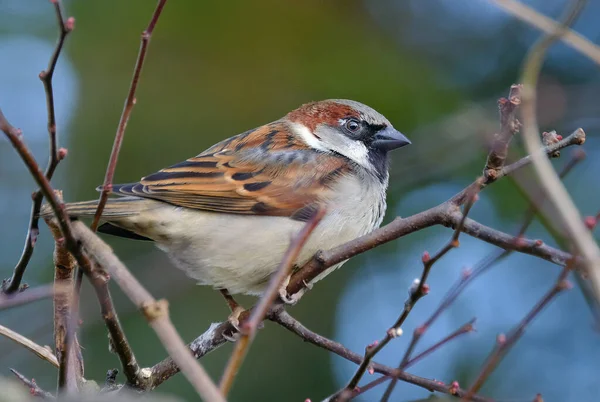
[434, 68]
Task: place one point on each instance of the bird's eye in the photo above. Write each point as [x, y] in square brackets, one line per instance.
[352, 125]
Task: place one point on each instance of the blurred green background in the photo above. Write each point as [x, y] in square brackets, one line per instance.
[434, 68]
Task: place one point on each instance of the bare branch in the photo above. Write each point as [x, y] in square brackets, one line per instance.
[34, 389]
[32, 295]
[131, 368]
[283, 318]
[127, 109]
[464, 329]
[505, 343]
[547, 25]
[155, 312]
[566, 212]
[509, 126]
[66, 345]
[210, 340]
[415, 294]
[249, 328]
[56, 155]
[43, 352]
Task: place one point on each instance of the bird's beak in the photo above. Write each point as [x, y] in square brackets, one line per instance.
[389, 139]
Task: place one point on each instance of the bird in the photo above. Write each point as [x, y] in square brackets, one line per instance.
[227, 216]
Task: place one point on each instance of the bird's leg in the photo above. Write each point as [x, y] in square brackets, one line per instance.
[236, 310]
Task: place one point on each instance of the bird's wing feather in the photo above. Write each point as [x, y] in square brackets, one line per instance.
[265, 171]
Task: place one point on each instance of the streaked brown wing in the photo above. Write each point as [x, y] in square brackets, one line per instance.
[264, 171]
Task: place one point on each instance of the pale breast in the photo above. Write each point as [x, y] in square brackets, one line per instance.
[240, 252]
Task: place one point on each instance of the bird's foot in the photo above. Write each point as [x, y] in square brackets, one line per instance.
[294, 298]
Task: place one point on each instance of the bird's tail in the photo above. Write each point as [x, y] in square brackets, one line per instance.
[115, 208]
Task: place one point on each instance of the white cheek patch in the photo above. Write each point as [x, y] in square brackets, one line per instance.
[308, 137]
[357, 151]
[333, 141]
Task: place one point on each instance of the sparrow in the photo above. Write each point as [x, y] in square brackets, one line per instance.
[227, 216]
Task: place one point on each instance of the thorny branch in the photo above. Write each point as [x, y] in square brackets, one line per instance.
[15, 137]
[56, 155]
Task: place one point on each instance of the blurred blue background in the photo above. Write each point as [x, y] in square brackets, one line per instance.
[434, 68]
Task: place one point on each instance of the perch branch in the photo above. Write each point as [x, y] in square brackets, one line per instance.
[56, 155]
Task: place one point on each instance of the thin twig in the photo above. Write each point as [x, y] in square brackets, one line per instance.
[416, 292]
[464, 329]
[127, 109]
[43, 352]
[284, 319]
[483, 265]
[66, 345]
[56, 155]
[509, 126]
[566, 212]
[407, 361]
[67, 310]
[155, 312]
[15, 137]
[547, 25]
[428, 263]
[249, 327]
[505, 343]
[34, 389]
[32, 295]
[213, 338]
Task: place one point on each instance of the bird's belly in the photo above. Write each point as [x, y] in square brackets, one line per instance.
[240, 252]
